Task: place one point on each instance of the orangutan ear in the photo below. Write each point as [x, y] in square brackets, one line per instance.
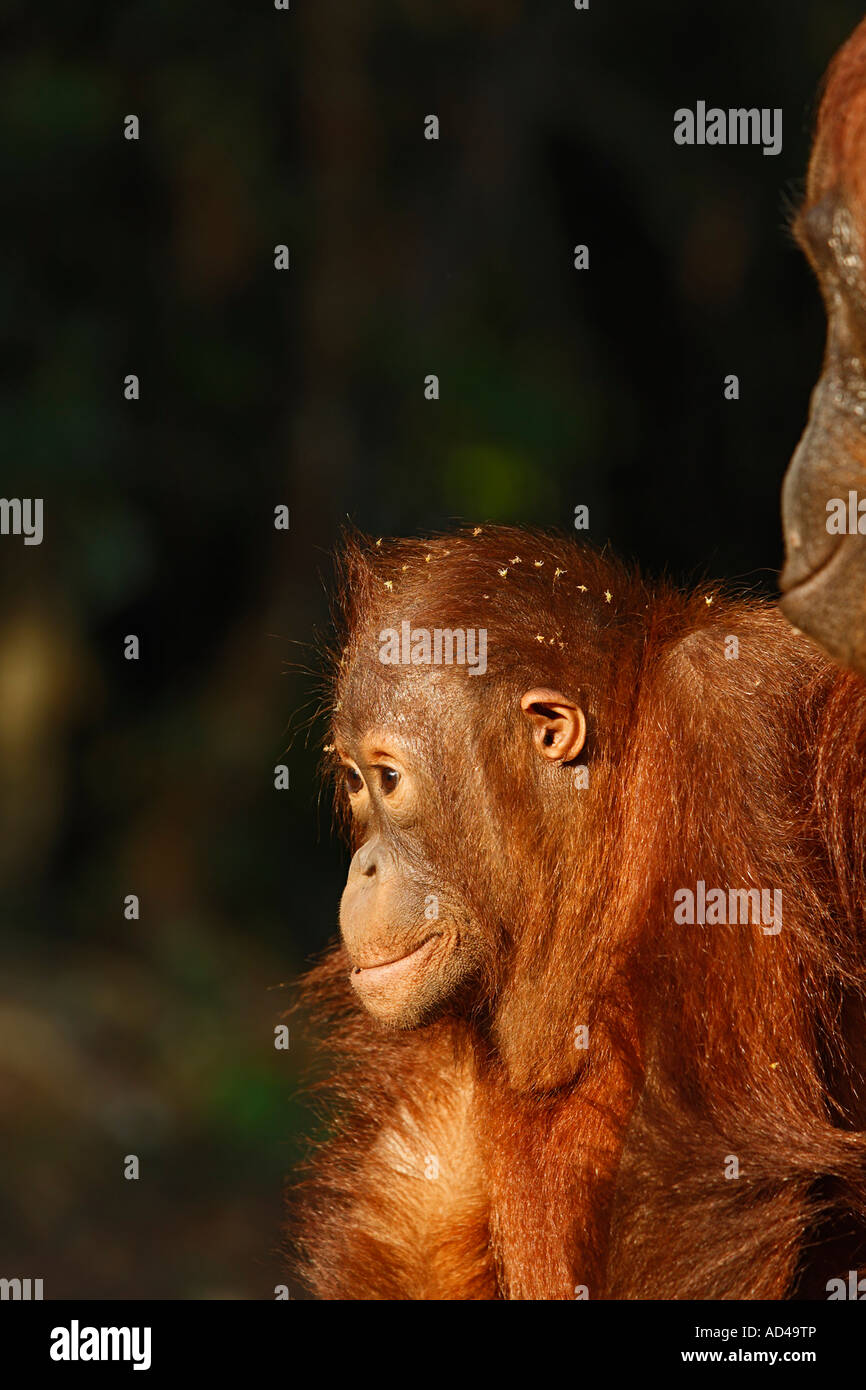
[558, 724]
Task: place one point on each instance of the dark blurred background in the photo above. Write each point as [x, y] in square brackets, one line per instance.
[408, 257]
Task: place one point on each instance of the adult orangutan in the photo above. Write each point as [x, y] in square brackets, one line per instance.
[596, 1026]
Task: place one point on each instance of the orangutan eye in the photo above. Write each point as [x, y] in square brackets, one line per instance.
[388, 779]
[354, 781]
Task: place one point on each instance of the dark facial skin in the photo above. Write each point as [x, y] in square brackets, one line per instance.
[825, 575]
[414, 936]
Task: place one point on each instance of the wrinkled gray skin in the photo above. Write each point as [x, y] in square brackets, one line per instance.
[824, 579]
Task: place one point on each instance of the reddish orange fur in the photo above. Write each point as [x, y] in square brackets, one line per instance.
[607, 1168]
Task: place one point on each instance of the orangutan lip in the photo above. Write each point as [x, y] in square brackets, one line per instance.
[379, 970]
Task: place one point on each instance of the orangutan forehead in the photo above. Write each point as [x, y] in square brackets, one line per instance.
[404, 700]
